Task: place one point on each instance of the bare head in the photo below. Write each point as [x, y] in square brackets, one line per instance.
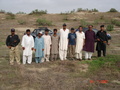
[80, 28]
[90, 27]
[28, 32]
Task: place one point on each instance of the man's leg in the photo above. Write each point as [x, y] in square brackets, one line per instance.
[52, 57]
[29, 59]
[36, 59]
[80, 55]
[47, 58]
[90, 55]
[24, 59]
[99, 53]
[86, 55]
[61, 54]
[55, 55]
[17, 55]
[11, 53]
[65, 54]
[73, 51]
[77, 55]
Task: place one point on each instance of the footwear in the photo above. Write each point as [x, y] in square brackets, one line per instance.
[89, 59]
[80, 59]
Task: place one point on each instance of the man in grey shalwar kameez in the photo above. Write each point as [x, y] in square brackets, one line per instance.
[55, 45]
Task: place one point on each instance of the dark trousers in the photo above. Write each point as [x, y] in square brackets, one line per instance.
[99, 53]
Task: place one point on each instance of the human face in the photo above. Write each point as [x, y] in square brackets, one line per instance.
[28, 33]
[72, 31]
[55, 32]
[102, 28]
[39, 34]
[64, 27]
[13, 32]
[90, 27]
[80, 29]
[46, 32]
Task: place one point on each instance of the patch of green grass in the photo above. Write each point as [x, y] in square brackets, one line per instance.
[106, 62]
[21, 22]
[2, 43]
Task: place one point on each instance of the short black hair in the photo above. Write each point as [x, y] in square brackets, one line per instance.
[46, 30]
[90, 25]
[72, 29]
[102, 25]
[64, 24]
[28, 30]
[80, 26]
[54, 29]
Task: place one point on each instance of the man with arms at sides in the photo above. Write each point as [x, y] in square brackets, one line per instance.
[63, 43]
[55, 45]
[102, 40]
[47, 45]
[39, 48]
[12, 42]
[80, 41]
[89, 42]
[27, 46]
[72, 43]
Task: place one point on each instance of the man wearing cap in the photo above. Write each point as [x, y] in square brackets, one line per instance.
[102, 40]
[47, 45]
[72, 43]
[80, 41]
[63, 43]
[39, 48]
[28, 47]
[12, 42]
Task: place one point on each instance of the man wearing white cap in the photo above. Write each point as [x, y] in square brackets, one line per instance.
[63, 43]
[47, 45]
[39, 47]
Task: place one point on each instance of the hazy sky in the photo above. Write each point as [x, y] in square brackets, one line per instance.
[57, 6]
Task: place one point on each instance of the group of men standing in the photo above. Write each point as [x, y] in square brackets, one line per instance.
[48, 47]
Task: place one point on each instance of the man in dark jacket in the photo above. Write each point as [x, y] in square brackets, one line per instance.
[102, 40]
[12, 42]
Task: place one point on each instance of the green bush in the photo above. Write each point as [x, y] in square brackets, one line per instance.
[10, 15]
[113, 10]
[20, 12]
[38, 12]
[43, 22]
[115, 22]
[110, 27]
[2, 11]
[84, 23]
[21, 22]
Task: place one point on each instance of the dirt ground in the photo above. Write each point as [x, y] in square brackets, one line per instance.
[57, 75]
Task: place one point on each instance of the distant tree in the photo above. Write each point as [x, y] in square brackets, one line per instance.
[20, 12]
[113, 10]
[2, 11]
[38, 12]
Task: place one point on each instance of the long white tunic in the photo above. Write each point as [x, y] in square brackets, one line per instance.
[28, 43]
[47, 43]
[63, 43]
[79, 41]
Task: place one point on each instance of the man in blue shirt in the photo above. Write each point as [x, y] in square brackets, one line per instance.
[72, 43]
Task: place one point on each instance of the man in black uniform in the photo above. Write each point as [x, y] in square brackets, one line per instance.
[12, 42]
[102, 40]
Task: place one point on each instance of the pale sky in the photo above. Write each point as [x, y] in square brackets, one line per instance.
[57, 6]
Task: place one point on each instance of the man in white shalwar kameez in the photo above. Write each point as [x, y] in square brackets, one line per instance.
[47, 45]
[79, 43]
[63, 43]
[28, 47]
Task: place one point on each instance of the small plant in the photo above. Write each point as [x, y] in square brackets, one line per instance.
[20, 12]
[10, 15]
[102, 17]
[110, 28]
[112, 10]
[115, 22]
[65, 18]
[38, 12]
[43, 22]
[21, 22]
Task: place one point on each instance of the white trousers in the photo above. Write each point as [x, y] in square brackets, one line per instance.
[27, 59]
[62, 54]
[79, 55]
[46, 57]
[88, 55]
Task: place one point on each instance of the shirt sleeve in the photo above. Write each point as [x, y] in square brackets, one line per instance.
[23, 41]
[8, 41]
